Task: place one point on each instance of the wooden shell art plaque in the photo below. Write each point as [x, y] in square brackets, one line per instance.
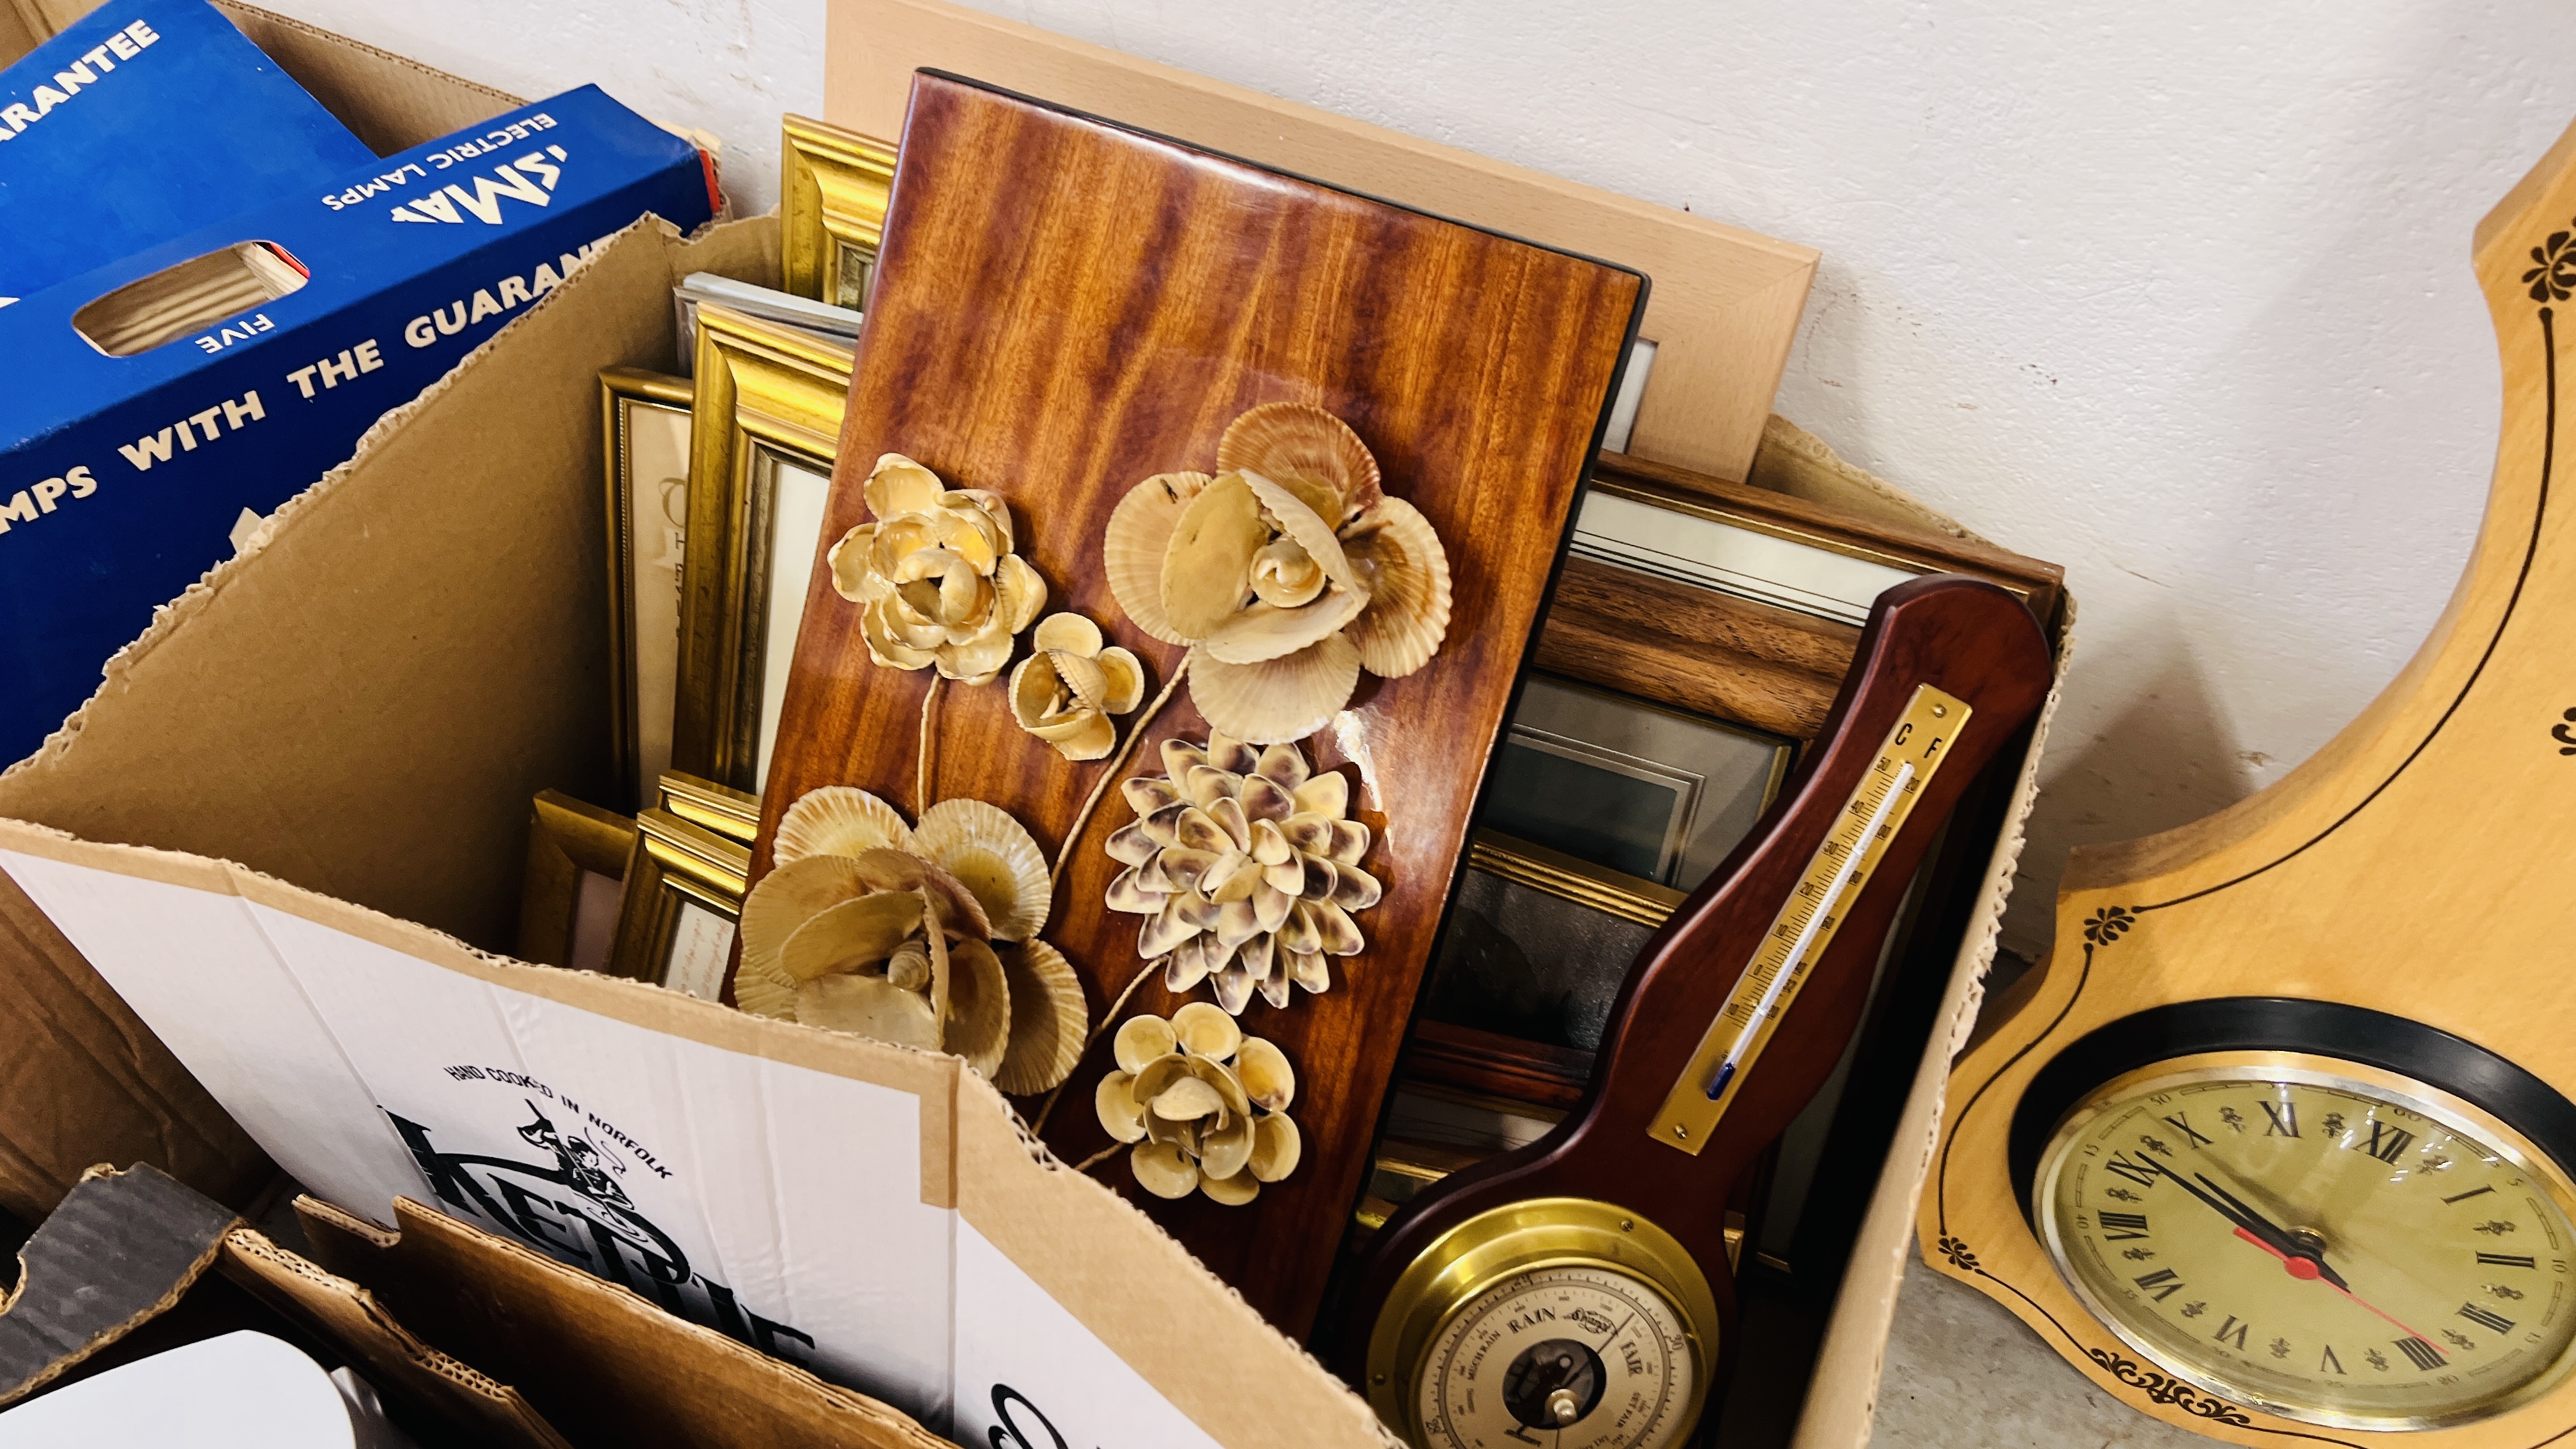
[1065, 308]
[2276, 1146]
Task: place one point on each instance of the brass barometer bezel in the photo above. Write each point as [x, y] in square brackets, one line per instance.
[1522, 1237]
[2303, 1068]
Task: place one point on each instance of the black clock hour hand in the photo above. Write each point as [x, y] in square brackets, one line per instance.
[2273, 1236]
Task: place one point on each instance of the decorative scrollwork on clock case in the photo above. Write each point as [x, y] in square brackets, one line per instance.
[2163, 1390]
[1958, 1254]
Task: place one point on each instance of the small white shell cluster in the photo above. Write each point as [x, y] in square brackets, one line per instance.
[1067, 691]
[1290, 570]
[925, 936]
[1244, 863]
[1206, 1106]
[936, 575]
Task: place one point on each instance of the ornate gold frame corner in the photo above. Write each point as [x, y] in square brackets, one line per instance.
[673, 863]
[566, 838]
[834, 185]
[761, 388]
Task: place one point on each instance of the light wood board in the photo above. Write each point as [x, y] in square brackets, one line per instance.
[2416, 866]
[1726, 301]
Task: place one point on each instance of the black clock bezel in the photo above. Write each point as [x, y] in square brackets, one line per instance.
[2530, 1106]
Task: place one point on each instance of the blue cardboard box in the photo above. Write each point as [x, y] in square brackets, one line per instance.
[122, 478]
[143, 121]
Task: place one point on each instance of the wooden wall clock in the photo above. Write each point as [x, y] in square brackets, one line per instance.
[2277, 1145]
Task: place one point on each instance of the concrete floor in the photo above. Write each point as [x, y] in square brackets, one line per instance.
[1962, 1373]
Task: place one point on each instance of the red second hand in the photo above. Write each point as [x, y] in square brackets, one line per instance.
[2305, 1269]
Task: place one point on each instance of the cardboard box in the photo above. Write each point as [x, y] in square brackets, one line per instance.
[379, 754]
[122, 477]
[107, 152]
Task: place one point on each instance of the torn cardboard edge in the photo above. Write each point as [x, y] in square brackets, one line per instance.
[120, 1250]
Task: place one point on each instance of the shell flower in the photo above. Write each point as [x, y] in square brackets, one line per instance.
[935, 574]
[1290, 571]
[1206, 1106]
[922, 936]
[1068, 690]
[1246, 869]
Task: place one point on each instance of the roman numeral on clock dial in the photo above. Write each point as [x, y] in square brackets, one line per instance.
[2179, 1123]
[2120, 1227]
[2486, 1317]
[2164, 1279]
[2232, 1331]
[2506, 1260]
[2386, 1142]
[2424, 1355]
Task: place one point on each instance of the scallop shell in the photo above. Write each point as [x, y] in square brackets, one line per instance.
[848, 561]
[1276, 1146]
[960, 914]
[1162, 1170]
[1126, 674]
[994, 858]
[1232, 1191]
[1285, 574]
[838, 820]
[979, 1007]
[1406, 571]
[1299, 520]
[1268, 1081]
[1261, 631]
[1082, 676]
[897, 485]
[1132, 547]
[1121, 1115]
[1048, 1019]
[778, 908]
[1207, 566]
[1141, 1042]
[1300, 440]
[909, 966]
[1281, 699]
[868, 1006]
[1069, 632]
[1206, 1031]
[850, 935]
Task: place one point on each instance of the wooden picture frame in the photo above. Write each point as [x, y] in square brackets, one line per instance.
[1766, 656]
[645, 423]
[683, 898]
[833, 188]
[577, 860]
[765, 428]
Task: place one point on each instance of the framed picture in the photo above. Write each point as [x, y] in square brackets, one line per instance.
[765, 425]
[1601, 813]
[645, 418]
[833, 191]
[683, 898]
[577, 858]
[734, 814]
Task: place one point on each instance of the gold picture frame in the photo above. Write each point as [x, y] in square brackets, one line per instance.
[765, 426]
[645, 423]
[734, 814]
[577, 861]
[683, 899]
[833, 189]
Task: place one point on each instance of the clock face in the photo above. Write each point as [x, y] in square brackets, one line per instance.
[1586, 1355]
[2315, 1238]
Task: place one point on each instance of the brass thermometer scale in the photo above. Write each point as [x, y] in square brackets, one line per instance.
[1579, 1287]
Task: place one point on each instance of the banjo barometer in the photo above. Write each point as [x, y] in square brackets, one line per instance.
[1578, 1288]
[2276, 1145]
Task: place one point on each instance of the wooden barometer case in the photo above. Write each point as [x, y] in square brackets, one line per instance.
[1579, 1287]
[2275, 1145]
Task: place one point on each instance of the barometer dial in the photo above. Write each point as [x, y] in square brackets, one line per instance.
[2326, 1241]
[1576, 1356]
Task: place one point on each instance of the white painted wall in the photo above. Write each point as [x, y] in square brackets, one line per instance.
[2176, 295]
